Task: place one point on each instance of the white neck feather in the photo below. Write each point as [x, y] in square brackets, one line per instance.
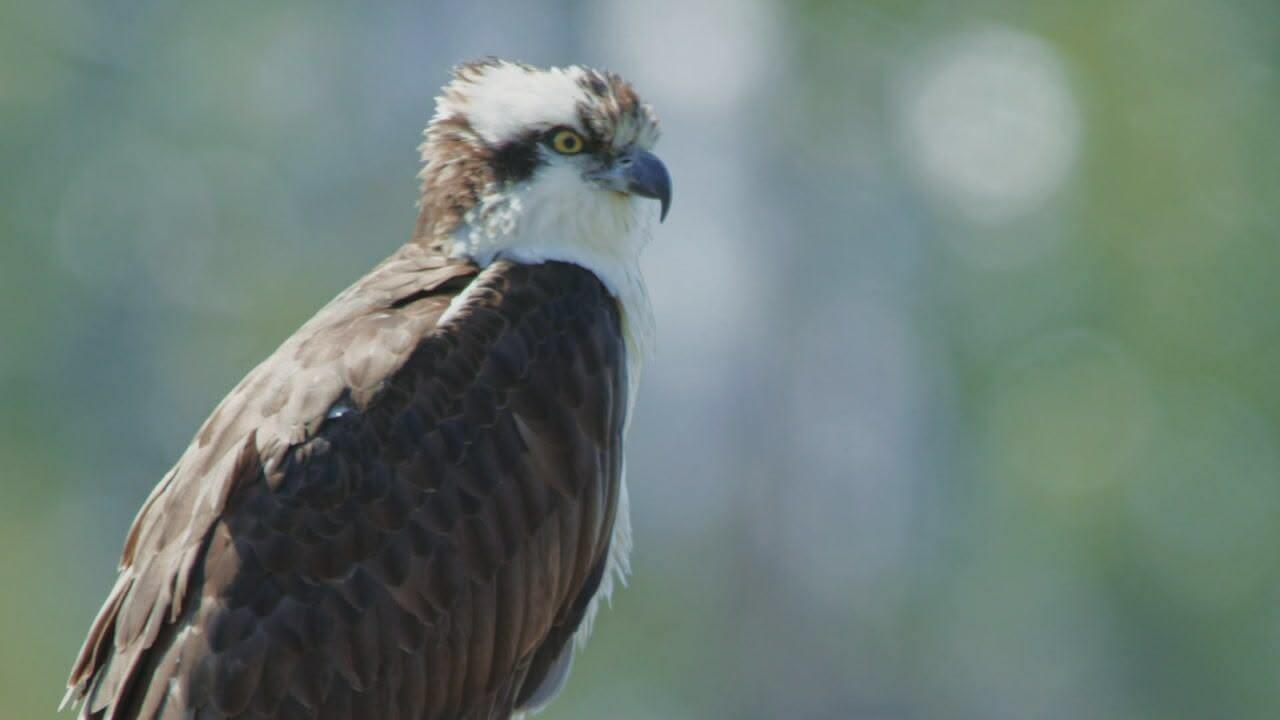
[558, 218]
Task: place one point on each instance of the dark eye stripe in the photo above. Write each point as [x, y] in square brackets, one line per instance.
[517, 159]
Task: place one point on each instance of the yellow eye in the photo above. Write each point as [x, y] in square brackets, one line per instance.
[567, 142]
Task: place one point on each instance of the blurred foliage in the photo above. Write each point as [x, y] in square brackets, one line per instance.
[966, 403]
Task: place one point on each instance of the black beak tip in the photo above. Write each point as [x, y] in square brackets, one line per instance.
[650, 179]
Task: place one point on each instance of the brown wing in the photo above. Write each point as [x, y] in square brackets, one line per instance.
[387, 519]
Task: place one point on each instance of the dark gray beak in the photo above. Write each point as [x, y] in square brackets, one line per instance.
[638, 172]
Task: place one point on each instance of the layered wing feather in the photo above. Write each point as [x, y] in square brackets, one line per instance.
[395, 516]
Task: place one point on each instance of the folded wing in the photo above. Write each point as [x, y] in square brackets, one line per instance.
[403, 513]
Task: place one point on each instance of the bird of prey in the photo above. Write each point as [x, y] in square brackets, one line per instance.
[413, 508]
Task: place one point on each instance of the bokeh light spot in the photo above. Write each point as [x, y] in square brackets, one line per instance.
[989, 122]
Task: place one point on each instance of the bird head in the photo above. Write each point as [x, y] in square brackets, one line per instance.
[540, 164]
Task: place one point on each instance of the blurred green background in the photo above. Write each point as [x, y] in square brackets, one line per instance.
[965, 404]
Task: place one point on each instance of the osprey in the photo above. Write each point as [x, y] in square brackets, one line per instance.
[414, 506]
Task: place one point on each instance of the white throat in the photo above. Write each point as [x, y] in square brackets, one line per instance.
[559, 217]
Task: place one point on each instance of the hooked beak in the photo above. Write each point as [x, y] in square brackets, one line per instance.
[637, 172]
